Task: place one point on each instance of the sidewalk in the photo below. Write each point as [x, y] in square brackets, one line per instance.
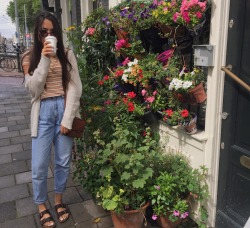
[17, 209]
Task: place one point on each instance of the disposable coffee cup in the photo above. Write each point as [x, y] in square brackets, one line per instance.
[53, 42]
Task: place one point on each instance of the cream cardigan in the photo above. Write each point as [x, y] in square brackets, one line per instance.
[35, 85]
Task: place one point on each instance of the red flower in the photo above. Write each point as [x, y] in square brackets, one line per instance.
[131, 107]
[119, 73]
[106, 77]
[131, 94]
[184, 113]
[125, 100]
[169, 112]
[100, 82]
[107, 102]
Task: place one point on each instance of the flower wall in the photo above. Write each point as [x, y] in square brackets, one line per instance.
[136, 66]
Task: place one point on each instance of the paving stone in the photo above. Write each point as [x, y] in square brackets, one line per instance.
[93, 209]
[13, 193]
[27, 145]
[20, 139]
[25, 121]
[26, 207]
[22, 178]
[6, 114]
[13, 168]
[8, 211]
[9, 134]
[7, 181]
[21, 117]
[7, 123]
[25, 132]
[69, 196]
[25, 222]
[4, 142]
[23, 155]
[13, 110]
[3, 120]
[3, 129]
[18, 127]
[79, 212]
[84, 194]
[5, 158]
[11, 149]
[105, 222]
[86, 224]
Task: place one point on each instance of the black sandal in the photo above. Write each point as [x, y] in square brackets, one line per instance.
[49, 219]
[59, 214]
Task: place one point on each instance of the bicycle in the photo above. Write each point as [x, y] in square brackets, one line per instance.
[8, 64]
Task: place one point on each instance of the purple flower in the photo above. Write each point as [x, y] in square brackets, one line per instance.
[184, 215]
[154, 217]
[104, 19]
[135, 19]
[108, 23]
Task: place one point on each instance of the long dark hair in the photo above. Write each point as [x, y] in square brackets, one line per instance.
[36, 50]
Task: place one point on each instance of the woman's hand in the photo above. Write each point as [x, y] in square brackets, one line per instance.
[47, 50]
[64, 130]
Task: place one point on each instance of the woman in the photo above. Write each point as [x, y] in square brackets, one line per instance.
[52, 79]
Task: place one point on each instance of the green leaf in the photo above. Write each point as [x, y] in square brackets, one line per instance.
[125, 176]
[139, 156]
[139, 183]
[109, 204]
[107, 171]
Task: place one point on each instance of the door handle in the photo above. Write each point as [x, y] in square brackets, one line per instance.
[235, 77]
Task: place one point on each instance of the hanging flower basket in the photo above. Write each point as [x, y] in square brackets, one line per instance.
[172, 32]
[197, 94]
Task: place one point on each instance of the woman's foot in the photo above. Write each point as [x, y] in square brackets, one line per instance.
[46, 219]
[62, 212]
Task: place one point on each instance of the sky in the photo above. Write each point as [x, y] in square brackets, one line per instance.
[7, 29]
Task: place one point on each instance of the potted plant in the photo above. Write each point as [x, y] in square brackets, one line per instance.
[176, 189]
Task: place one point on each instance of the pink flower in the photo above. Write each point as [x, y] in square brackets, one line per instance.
[199, 15]
[126, 61]
[154, 217]
[186, 17]
[203, 5]
[176, 213]
[120, 44]
[150, 99]
[184, 215]
[106, 77]
[143, 92]
[176, 16]
[90, 31]
[155, 92]
[107, 102]
[157, 187]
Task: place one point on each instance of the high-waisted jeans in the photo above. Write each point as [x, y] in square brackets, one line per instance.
[51, 113]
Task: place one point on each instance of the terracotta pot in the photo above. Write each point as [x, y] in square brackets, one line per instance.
[172, 32]
[129, 219]
[190, 126]
[197, 94]
[121, 34]
[163, 221]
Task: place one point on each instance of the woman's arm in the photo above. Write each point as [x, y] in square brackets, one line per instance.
[73, 95]
[35, 83]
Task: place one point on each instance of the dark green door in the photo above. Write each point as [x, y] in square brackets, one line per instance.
[233, 207]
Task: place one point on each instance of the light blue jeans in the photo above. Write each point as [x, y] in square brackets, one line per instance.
[51, 113]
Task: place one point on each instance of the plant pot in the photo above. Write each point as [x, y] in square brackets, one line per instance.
[121, 34]
[190, 126]
[151, 117]
[129, 219]
[163, 221]
[172, 32]
[197, 94]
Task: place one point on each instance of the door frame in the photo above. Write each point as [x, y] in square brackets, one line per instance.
[215, 92]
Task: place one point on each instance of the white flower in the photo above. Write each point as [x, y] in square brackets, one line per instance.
[133, 63]
[127, 70]
[182, 72]
[171, 86]
[186, 84]
[125, 77]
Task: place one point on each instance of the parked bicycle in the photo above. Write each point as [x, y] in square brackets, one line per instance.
[7, 64]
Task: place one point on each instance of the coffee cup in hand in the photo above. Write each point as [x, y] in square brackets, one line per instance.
[53, 42]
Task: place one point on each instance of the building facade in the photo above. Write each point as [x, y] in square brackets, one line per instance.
[224, 144]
